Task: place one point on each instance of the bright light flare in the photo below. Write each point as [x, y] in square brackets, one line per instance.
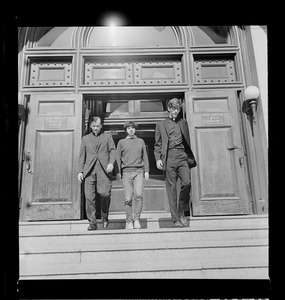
[113, 19]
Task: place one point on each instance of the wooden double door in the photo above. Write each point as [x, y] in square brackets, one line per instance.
[50, 189]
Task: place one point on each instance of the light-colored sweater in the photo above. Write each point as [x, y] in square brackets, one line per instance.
[131, 154]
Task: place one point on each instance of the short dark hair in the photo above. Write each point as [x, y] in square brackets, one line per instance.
[174, 102]
[130, 123]
[95, 119]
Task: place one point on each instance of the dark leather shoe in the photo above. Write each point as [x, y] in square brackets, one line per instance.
[177, 224]
[105, 223]
[92, 227]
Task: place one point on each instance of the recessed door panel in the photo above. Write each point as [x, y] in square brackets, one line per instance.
[53, 167]
[216, 165]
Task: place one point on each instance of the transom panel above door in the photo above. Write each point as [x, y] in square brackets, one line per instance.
[132, 70]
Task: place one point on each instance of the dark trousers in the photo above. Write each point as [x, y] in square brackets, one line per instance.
[177, 167]
[97, 186]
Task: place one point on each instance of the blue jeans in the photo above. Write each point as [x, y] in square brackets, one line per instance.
[133, 190]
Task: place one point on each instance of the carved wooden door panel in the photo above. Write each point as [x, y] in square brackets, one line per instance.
[218, 182]
[50, 189]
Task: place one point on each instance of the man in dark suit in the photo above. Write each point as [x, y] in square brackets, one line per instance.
[96, 162]
[174, 156]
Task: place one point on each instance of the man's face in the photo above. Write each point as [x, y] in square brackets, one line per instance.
[96, 127]
[131, 130]
[174, 111]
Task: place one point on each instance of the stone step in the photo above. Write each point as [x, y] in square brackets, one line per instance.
[148, 221]
[66, 256]
[139, 238]
[221, 247]
[104, 263]
[228, 272]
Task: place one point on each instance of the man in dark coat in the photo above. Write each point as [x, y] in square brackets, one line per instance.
[96, 162]
[174, 156]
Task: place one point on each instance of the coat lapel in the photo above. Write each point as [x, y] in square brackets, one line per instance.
[181, 127]
[96, 148]
[183, 131]
[100, 141]
[166, 128]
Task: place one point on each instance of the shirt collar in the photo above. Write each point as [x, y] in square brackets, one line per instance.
[97, 134]
[173, 120]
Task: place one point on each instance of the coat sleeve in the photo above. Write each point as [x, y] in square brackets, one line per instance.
[186, 133]
[112, 150]
[82, 157]
[158, 142]
[118, 155]
[145, 157]
[191, 158]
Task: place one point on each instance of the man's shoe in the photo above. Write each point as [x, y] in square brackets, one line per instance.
[105, 222]
[129, 225]
[184, 221]
[137, 224]
[92, 227]
[177, 224]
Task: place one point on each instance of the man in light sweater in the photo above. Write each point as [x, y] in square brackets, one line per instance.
[133, 166]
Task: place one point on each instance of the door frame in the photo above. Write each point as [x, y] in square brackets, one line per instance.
[139, 117]
[254, 132]
[244, 135]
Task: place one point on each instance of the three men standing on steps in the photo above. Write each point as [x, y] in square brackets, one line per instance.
[173, 156]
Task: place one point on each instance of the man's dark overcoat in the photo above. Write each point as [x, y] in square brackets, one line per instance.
[105, 152]
[162, 140]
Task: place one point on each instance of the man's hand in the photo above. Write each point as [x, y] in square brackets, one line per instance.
[159, 164]
[80, 177]
[110, 168]
[146, 175]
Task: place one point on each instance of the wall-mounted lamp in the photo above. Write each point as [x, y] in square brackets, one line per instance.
[251, 93]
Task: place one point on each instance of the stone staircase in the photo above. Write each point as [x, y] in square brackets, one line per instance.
[230, 247]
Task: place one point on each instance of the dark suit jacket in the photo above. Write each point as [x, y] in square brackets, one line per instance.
[162, 140]
[105, 152]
